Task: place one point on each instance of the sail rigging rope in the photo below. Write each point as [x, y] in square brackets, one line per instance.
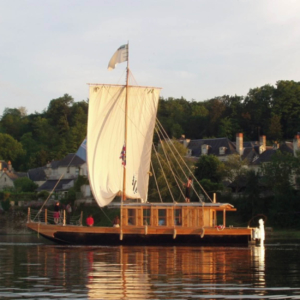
[157, 155]
[168, 161]
[52, 191]
[156, 183]
[166, 135]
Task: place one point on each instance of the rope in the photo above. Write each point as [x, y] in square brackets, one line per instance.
[163, 173]
[182, 160]
[54, 187]
[156, 183]
[171, 169]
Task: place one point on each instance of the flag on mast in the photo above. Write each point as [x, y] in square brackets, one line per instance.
[120, 56]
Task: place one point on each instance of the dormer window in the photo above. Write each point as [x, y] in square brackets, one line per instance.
[261, 149]
[222, 150]
[204, 149]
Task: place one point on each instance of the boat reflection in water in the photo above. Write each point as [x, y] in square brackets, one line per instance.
[141, 273]
[124, 272]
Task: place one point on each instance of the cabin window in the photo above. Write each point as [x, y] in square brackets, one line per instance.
[162, 217]
[177, 217]
[146, 216]
[131, 216]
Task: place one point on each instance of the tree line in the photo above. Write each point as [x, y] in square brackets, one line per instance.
[32, 140]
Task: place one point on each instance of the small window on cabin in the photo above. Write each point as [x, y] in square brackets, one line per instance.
[146, 216]
[131, 216]
[178, 217]
[162, 217]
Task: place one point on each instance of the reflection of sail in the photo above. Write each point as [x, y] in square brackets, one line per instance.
[123, 278]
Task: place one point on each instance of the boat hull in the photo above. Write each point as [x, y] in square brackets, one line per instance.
[81, 235]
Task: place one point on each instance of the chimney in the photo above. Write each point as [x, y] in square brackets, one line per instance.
[239, 143]
[296, 144]
[9, 166]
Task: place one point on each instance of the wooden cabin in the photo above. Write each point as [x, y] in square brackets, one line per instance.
[178, 215]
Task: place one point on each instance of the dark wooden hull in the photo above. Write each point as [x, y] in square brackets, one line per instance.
[81, 235]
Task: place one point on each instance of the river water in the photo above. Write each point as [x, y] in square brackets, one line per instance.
[33, 268]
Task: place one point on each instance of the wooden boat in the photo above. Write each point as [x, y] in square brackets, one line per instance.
[121, 123]
[152, 224]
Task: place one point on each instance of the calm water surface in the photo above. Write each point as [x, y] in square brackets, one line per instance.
[32, 268]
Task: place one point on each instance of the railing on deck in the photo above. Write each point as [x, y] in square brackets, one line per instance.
[47, 217]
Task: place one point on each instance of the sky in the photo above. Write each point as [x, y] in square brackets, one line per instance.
[195, 49]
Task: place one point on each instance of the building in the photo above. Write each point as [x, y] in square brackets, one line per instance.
[59, 176]
[8, 175]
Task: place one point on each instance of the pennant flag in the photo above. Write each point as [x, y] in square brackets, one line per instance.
[123, 156]
[81, 152]
[120, 56]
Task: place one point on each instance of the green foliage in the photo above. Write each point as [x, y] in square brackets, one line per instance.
[5, 205]
[43, 195]
[24, 184]
[278, 173]
[209, 167]
[80, 181]
[10, 149]
[235, 170]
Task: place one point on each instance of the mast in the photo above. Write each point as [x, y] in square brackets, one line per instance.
[125, 127]
[125, 145]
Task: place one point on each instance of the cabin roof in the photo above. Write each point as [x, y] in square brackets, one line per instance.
[183, 204]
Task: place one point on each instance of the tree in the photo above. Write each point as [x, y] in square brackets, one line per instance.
[10, 149]
[24, 184]
[59, 111]
[209, 172]
[13, 122]
[278, 173]
[258, 104]
[275, 129]
[235, 170]
[287, 106]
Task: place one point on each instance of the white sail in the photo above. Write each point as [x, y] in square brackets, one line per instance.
[105, 140]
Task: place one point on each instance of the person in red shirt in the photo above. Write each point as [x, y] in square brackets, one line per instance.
[90, 220]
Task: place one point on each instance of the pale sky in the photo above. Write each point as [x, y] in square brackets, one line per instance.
[196, 49]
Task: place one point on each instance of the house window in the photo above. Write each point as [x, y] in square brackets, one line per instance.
[146, 216]
[162, 217]
[222, 150]
[131, 216]
[177, 217]
[77, 171]
[204, 149]
[189, 153]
